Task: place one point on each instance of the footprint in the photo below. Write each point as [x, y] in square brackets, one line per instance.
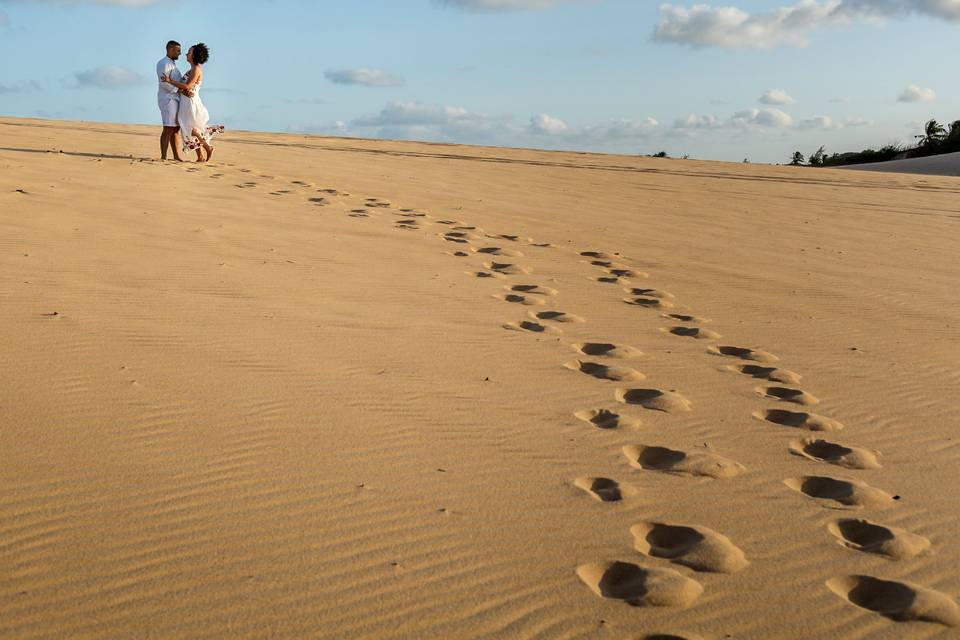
[767, 373]
[459, 254]
[833, 453]
[603, 264]
[799, 420]
[627, 273]
[609, 280]
[332, 192]
[785, 394]
[603, 489]
[516, 298]
[460, 237]
[650, 303]
[686, 318]
[654, 399]
[506, 268]
[696, 463]
[605, 419]
[640, 586]
[849, 493]
[870, 537]
[377, 202]
[557, 316]
[699, 548]
[900, 601]
[487, 274]
[606, 350]
[598, 255]
[532, 327]
[533, 289]
[320, 202]
[447, 222]
[650, 293]
[743, 353]
[604, 372]
[695, 332]
[497, 251]
[407, 224]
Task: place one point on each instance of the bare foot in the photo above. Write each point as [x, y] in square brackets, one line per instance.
[209, 153]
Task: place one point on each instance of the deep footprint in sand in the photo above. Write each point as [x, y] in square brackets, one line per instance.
[606, 350]
[557, 316]
[836, 454]
[833, 491]
[488, 274]
[506, 268]
[786, 394]
[640, 586]
[649, 303]
[650, 293]
[699, 548]
[694, 463]
[870, 537]
[320, 202]
[773, 374]
[532, 289]
[626, 274]
[531, 327]
[605, 372]
[603, 489]
[606, 419]
[516, 298]
[799, 420]
[377, 203]
[596, 255]
[654, 399]
[694, 332]
[754, 355]
[899, 601]
[497, 251]
[683, 317]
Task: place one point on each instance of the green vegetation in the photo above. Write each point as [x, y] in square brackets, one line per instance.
[936, 139]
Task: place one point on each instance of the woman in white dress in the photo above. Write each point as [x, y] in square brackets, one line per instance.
[193, 117]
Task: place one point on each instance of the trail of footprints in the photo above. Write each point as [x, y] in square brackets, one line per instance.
[694, 547]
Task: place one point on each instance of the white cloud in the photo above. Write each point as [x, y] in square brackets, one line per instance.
[504, 5]
[772, 118]
[857, 122]
[19, 87]
[694, 121]
[729, 27]
[363, 77]
[913, 93]
[547, 124]
[818, 122]
[840, 100]
[109, 77]
[776, 97]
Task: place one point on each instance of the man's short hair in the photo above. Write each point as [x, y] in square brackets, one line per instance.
[173, 43]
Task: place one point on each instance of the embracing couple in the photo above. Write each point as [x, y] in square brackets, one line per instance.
[184, 116]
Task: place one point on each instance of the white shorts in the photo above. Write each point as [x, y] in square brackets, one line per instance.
[169, 107]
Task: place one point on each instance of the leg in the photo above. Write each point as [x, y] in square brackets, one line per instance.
[164, 142]
[175, 137]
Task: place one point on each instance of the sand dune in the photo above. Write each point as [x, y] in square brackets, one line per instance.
[333, 388]
[947, 164]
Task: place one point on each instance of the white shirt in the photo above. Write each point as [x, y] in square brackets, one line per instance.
[167, 67]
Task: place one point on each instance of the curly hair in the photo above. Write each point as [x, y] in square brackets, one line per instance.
[200, 53]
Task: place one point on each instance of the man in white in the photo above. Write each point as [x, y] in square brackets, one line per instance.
[168, 97]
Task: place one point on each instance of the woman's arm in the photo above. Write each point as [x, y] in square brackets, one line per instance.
[195, 76]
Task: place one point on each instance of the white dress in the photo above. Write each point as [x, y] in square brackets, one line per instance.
[194, 116]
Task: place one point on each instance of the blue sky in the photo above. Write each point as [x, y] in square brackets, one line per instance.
[726, 80]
